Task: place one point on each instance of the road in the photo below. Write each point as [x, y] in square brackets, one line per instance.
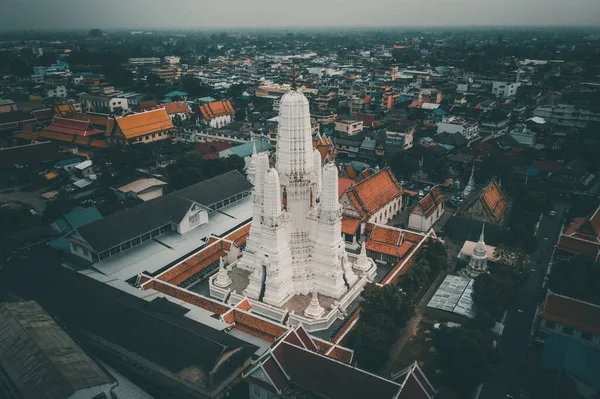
[508, 378]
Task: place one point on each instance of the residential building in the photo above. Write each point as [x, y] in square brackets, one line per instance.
[172, 59]
[523, 135]
[59, 91]
[143, 189]
[167, 73]
[427, 211]
[582, 237]
[144, 127]
[7, 106]
[567, 115]
[144, 61]
[84, 169]
[399, 137]
[348, 125]
[505, 89]
[454, 124]
[40, 360]
[216, 114]
[113, 104]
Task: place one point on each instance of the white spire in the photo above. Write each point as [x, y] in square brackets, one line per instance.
[362, 262]
[471, 185]
[314, 310]
[222, 280]
[318, 177]
[330, 202]
[272, 196]
[294, 137]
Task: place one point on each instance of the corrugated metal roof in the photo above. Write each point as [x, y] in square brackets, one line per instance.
[40, 358]
[454, 295]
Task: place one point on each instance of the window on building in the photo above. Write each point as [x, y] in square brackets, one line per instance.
[115, 250]
[146, 237]
[155, 233]
[567, 330]
[125, 246]
[136, 241]
[85, 251]
[586, 335]
[194, 218]
[104, 255]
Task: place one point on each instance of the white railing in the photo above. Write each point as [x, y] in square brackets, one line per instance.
[311, 325]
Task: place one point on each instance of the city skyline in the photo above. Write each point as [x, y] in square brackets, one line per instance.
[185, 14]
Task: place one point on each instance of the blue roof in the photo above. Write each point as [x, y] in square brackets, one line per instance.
[207, 99]
[359, 166]
[533, 171]
[176, 93]
[439, 112]
[78, 217]
[245, 150]
[70, 161]
[574, 357]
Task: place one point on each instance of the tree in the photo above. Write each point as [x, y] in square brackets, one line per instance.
[370, 345]
[191, 169]
[436, 169]
[493, 294]
[95, 33]
[387, 301]
[464, 357]
[403, 165]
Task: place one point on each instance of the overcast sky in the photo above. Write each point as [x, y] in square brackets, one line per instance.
[202, 14]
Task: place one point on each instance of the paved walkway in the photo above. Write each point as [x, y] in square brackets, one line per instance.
[31, 199]
[412, 326]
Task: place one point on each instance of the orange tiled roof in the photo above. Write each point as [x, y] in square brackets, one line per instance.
[350, 172]
[187, 296]
[374, 192]
[244, 304]
[144, 123]
[257, 326]
[493, 200]
[177, 108]
[350, 225]
[569, 311]
[186, 269]
[217, 108]
[239, 236]
[430, 202]
[57, 136]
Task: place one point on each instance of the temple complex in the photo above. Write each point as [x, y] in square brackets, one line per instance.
[295, 258]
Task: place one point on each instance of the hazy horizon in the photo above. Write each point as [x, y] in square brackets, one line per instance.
[257, 14]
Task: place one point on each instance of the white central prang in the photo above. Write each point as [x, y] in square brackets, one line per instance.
[295, 246]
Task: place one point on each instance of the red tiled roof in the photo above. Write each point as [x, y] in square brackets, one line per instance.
[187, 296]
[186, 269]
[374, 192]
[431, 201]
[240, 235]
[569, 311]
[582, 236]
[217, 108]
[493, 199]
[71, 127]
[344, 184]
[350, 225]
[257, 326]
[176, 108]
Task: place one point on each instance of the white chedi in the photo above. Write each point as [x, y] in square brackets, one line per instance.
[222, 280]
